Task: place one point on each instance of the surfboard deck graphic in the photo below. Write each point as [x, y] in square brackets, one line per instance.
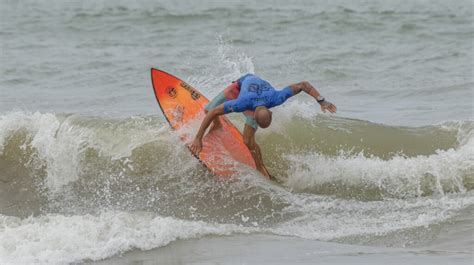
[223, 148]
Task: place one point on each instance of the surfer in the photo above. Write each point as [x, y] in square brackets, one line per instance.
[254, 97]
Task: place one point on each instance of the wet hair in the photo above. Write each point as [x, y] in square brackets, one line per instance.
[263, 117]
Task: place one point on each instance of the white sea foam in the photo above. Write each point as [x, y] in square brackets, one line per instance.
[326, 219]
[52, 239]
[57, 142]
[400, 176]
[60, 141]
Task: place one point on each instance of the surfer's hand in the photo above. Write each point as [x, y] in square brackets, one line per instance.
[196, 146]
[326, 105]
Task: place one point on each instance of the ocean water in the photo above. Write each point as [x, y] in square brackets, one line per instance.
[89, 167]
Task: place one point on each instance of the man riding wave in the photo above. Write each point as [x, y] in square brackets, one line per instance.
[254, 97]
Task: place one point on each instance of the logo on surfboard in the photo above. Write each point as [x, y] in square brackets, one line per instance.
[172, 92]
[194, 95]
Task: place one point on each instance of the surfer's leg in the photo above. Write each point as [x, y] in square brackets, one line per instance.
[216, 101]
[250, 120]
[249, 140]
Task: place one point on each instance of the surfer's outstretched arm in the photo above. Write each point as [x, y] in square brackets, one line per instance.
[196, 145]
[312, 91]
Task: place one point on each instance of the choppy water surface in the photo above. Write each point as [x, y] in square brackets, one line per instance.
[89, 167]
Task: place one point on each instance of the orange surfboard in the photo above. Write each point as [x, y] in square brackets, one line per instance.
[223, 148]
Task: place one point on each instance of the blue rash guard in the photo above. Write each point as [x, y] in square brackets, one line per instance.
[255, 92]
